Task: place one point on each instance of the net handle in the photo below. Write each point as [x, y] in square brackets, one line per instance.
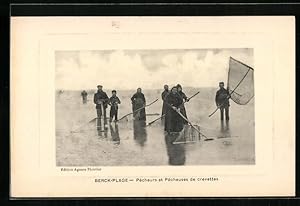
[239, 82]
[233, 89]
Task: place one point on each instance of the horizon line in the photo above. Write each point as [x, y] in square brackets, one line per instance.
[129, 89]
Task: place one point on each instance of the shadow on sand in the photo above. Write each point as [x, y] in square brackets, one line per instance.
[176, 152]
[139, 132]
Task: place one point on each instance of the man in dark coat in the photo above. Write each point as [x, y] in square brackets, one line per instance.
[164, 94]
[185, 99]
[173, 121]
[114, 101]
[138, 101]
[101, 100]
[222, 101]
[84, 96]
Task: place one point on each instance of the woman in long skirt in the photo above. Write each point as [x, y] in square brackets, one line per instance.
[138, 101]
[185, 99]
[173, 121]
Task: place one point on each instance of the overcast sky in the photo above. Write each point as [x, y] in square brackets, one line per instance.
[129, 69]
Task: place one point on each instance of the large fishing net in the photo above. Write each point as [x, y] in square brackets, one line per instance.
[188, 135]
[240, 82]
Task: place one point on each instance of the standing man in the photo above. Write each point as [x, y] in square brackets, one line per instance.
[113, 102]
[164, 94]
[138, 101]
[222, 101]
[101, 100]
[84, 96]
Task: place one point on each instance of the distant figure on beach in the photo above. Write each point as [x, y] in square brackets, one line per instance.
[84, 96]
[222, 101]
[164, 94]
[139, 102]
[185, 99]
[114, 101]
[101, 100]
[173, 121]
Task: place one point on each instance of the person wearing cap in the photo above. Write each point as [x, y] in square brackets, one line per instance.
[101, 100]
[113, 102]
[185, 99]
[138, 101]
[173, 121]
[164, 94]
[222, 101]
[84, 96]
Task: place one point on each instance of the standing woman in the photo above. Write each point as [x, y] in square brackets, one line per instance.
[183, 97]
[138, 101]
[173, 121]
[164, 94]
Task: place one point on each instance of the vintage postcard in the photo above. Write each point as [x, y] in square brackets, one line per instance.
[152, 106]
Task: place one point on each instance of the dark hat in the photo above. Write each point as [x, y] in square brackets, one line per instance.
[114, 91]
[178, 85]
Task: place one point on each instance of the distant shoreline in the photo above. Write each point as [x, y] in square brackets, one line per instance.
[184, 88]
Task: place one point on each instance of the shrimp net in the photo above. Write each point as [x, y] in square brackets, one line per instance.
[240, 83]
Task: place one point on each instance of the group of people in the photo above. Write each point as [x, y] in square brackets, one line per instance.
[173, 109]
[102, 101]
[173, 104]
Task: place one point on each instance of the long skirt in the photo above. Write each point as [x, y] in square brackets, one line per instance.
[164, 108]
[173, 121]
[141, 114]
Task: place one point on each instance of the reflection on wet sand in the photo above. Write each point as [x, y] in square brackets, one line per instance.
[139, 132]
[102, 130]
[81, 147]
[176, 152]
[225, 130]
[114, 132]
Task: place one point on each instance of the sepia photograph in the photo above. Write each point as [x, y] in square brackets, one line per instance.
[161, 107]
[152, 106]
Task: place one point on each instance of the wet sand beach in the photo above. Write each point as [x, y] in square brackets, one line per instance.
[133, 143]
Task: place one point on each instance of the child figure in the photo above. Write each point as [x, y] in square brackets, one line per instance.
[113, 102]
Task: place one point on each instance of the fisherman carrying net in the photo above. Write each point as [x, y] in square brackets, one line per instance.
[101, 100]
[240, 87]
[222, 101]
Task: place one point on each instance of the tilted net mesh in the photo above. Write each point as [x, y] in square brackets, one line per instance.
[240, 83]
